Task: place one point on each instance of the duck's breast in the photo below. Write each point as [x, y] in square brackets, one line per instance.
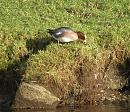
[68, 37]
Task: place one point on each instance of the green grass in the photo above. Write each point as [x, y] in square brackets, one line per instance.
[106, 23]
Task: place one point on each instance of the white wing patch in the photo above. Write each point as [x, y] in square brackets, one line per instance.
[58, 33]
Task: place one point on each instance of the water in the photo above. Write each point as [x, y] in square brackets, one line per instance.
[88, 108]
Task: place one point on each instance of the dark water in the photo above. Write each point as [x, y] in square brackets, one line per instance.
[88, 108]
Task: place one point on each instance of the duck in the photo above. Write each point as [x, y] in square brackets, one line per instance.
[66, 35]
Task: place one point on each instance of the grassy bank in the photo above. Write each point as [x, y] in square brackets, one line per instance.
[23, 25]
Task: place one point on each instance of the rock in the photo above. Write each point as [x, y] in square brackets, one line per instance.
[34, 96]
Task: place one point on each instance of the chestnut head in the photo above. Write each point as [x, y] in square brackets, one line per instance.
[81, 36]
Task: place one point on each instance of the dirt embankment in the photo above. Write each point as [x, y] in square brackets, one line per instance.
[103, 78]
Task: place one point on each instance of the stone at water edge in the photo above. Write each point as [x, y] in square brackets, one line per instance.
[34, 96]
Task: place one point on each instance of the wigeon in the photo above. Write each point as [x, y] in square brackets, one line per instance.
[66, 34]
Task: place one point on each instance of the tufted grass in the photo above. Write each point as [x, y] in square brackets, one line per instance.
[23, 25]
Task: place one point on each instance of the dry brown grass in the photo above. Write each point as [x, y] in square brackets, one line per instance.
[89, 79]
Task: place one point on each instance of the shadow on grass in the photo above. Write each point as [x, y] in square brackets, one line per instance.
[11, 77]
[10, 80]
[38, 44]
[124, 70]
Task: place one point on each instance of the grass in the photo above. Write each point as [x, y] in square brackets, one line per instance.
[23, 30]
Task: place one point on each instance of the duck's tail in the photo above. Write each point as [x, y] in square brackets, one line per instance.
[50, 31]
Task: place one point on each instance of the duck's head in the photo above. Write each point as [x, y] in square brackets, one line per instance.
[81, 36]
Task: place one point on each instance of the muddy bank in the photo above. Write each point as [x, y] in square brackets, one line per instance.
[103, 78]
[92, 80]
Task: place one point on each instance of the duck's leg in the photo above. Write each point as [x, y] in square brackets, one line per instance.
[58, 43]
